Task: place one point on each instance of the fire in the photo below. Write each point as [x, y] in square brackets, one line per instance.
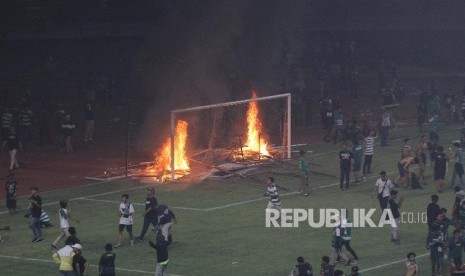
[255, 141]
[163, 161]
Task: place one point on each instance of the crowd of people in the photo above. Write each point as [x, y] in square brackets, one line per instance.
[69, 257]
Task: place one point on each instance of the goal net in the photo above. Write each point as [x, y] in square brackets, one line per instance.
[247, 130]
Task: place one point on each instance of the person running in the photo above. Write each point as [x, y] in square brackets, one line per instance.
[347, 238]
[36, 210]
[150, 214]
[272, 192]
[11, 186]
[161, 246]
[303, 169]
[357, 153]
[165, 220]
[369, 146]
[394, 206]
[106, 265]
[80, 264]
[383, 187]
[440, 168]
[64, 214]
[422, 153]
[457, 157]
[14, 144]
[125, 212]
[336, 245]
[346, 159]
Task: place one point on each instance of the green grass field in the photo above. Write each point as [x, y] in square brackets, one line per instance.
[221, 224]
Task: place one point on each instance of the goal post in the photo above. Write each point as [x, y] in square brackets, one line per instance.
[212, 106]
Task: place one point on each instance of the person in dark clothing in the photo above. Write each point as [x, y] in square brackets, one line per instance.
[14, 144]
[150, 214]
[35, 202]
[302, 268]
[432, 211]
[106, 265]
[11, 186]
[346, 163]
[162, 255]
[165, 220]
[80, 264]
[440, 160]
[394, 206]
[72, 239]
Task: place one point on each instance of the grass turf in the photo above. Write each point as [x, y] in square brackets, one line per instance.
[216, 236]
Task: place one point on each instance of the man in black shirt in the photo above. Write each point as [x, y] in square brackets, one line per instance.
[150, 214]
[432, 211]
[346, 162]
[165, 218]
[36, 210]
[162, 255]
[80, 264]
[106, 266]
[440, 166]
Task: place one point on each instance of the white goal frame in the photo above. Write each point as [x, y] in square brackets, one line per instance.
[197, 108]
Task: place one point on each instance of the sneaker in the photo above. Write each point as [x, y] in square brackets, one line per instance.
[306, 194]
[2, 241]
[53, 248]
[355, 262]
[118, 245]
[299, 193]
[132, 243]
[364, 179]
[139, 239]
[39, 239]
[34, 239]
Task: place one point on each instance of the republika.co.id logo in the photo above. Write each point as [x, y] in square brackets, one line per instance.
[359, 218]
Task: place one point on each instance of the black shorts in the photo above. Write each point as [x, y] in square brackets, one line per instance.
[357, 166]
[11, 203]
[439, 174]
[128, 227]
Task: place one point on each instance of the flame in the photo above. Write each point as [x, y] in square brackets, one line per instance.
[163, 161]
[255, 141]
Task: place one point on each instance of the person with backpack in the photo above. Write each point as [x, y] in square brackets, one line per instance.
[302, 268]
[125, 212]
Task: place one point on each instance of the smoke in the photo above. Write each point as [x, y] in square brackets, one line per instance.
[205, 52]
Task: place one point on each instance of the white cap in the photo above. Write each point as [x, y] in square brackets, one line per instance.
[77, 245]
[461, 192]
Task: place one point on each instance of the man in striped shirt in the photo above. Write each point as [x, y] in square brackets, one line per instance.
[272, 192]
[369, 141]
[7, 122]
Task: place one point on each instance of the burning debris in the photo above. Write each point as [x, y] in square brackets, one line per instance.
[161, 170]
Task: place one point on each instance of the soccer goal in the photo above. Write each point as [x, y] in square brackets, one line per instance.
[259, 127]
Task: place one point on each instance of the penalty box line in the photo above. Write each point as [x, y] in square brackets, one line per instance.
[90, 198]
[91, 265]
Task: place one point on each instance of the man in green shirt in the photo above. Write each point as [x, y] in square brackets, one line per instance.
[303, 169]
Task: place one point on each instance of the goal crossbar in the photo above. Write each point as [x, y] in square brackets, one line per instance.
[197, 108]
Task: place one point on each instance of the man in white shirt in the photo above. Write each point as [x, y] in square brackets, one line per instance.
[383, 187]
[125, 212]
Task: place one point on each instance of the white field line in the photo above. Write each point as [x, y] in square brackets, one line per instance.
[89, 198]
[84, 197]
[50, 261]
[391, 263]
[140, 204]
